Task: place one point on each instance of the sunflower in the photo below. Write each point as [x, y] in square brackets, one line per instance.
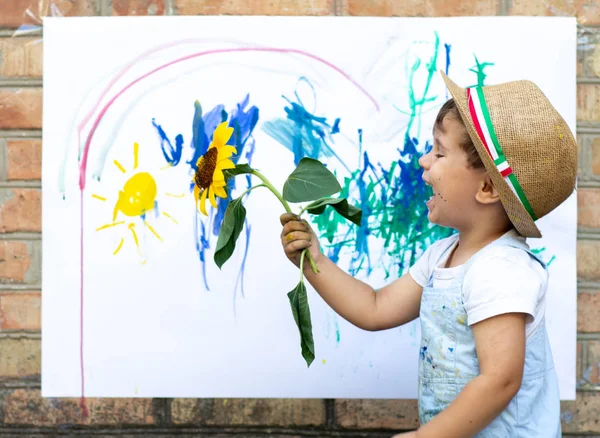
[209, 177]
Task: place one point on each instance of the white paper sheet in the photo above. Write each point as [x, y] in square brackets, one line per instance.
[156, 321]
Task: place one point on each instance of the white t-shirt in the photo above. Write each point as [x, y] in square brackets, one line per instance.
[502, 280]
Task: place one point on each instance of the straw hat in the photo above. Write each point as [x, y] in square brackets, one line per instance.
[525, 145]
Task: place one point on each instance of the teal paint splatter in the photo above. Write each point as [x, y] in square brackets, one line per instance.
[392, 197]
[540, 253]
[479, 70]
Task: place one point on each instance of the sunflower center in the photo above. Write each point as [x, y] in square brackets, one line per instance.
[206, 169]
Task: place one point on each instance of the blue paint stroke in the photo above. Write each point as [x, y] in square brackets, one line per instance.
[302, 132]
[447, 47]
[202, 244]
[171, 153]
[203, 127]
[243, 120]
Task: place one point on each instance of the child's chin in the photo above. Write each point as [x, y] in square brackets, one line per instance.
[432, 218]
[436, 220]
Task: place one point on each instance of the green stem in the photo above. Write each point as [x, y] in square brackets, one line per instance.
[250, 189]
[305, 251]
[268, 185]
[304, 209]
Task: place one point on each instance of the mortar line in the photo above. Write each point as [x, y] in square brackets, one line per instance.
[21, 184]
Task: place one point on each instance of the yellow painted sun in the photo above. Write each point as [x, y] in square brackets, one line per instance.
[209, 179]
[137, 198]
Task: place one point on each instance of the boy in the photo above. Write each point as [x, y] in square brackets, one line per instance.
[502, 158]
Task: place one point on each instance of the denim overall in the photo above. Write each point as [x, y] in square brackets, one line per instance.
[448, 361]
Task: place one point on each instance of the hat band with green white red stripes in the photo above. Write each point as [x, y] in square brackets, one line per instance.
[485, 130]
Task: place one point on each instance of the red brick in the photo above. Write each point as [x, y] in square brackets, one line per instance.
[21, 57]
[24, 159]
[21, 210]
[21, 108]
[14, 261]
[420, 8]
[253, 7]
[588, 102]
[593, 61]
[138, 7]
[588, 312]
[588, 260]
[596, 156]
[19, 12]
[20, 311]
[27, 407]
[581, 415]
[588, 204]
[21, 357]
[248, 412]
[591, 369]
[586, 11]
[377, 414]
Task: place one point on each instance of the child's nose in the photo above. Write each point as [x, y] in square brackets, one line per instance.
[424, 161]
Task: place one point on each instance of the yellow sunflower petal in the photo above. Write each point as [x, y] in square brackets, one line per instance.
[219, 183]
[203, 202]
[196, 192]
[212, 199]
[222, 134]
[225, 164]
[220, 192]
[226, 152]
[218, 175]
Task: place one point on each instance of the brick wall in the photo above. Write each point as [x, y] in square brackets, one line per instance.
[22, 410]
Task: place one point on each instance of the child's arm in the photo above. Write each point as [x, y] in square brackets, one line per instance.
[500, 344]
[354, 300]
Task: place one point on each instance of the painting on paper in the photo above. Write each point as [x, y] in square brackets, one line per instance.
[134, 304]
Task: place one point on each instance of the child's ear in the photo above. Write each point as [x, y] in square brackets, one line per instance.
[487, 193]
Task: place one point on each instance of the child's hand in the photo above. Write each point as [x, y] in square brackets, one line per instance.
[296, 236]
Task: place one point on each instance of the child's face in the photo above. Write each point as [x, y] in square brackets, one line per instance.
[454, 183]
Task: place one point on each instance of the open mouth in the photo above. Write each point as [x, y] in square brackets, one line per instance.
[428, 190]
[430, 193]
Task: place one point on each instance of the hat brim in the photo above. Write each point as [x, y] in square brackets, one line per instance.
[516, 212]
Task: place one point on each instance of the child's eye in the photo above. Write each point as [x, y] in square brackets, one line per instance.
[439, 155]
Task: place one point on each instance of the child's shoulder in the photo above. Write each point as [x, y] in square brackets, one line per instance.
[502, 260]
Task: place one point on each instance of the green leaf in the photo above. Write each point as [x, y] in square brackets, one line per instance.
[239, 169]
[341, 205]
[299, 302]
[232, 226]
[310, 180]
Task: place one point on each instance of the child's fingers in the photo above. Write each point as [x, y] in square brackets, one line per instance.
[295, 236]
[294, 247]
[292, 226]
[287, 217]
